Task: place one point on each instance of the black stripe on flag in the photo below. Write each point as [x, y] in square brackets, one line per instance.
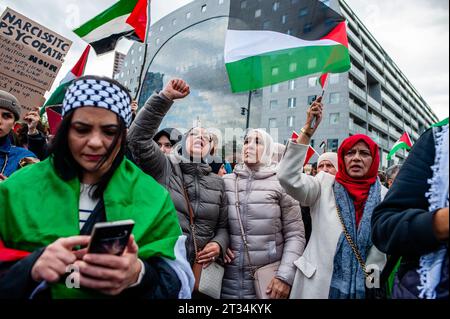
[108, 44]
[305, 19]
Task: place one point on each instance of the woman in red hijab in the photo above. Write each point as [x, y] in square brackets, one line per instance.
[329, 267]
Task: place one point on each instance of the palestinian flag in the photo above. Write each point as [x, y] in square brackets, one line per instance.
[323, 80]
[403, 143]
[57, 96]
[310, 153]
[265, 46]
[126, 18]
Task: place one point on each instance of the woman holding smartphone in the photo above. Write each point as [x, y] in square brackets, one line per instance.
[48, 209]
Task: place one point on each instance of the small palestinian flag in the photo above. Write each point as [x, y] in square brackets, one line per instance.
[57, 96]
[269, 43]
[323, 80]
[310, 153]
[126, 18]
[323, 145]
[403, 143]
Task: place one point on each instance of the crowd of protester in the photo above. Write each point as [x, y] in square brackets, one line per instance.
[335, 229]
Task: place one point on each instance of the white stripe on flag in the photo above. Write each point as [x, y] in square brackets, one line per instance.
[118, 25]
[240, 45]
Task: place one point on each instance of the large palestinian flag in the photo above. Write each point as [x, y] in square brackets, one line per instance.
[57, 96]
[126, 18]
[403, 143]
[269, 43]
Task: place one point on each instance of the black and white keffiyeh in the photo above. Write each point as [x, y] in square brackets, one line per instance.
[99, 93]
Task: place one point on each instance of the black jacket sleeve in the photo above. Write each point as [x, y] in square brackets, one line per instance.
[16, 281]
[159, 282]
[38, 145]
[402, 224]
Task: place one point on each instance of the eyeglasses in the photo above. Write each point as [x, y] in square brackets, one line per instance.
[204, 137]
[362, 154]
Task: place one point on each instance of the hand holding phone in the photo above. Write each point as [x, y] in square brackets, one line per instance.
[110, 237]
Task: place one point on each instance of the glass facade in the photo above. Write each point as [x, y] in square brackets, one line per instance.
[196, 55]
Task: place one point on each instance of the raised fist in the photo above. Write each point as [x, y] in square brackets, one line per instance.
[176, 89]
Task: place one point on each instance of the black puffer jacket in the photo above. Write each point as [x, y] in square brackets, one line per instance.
[205, 190]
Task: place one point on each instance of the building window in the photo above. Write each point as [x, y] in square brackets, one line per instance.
[294, 1]
[275, 71]
[292, 85]
[312, 82]
[291, 121]
[273, 104]
[307, 28]
[289, 32]
[275, 88]
[267, 25]
[333, 145]
[335, 98]
[333, 78]
[284, 19]
[272, 123]
[334, 118]
[292, 103]
[311, 99]
[258, 13]
[293, 67]
[303, 12]
[157, 41]
[244, 4]
[204, 8]
[188, 15]
[220, 1]
[174, 22]
[161, 28]
[276, 6]
[312, 63]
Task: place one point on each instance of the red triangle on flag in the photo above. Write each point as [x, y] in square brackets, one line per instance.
[406, 139]
[54, 120]
[78, 69]
[310, 154]
[323, 80]
[138, 19]
[9, 255]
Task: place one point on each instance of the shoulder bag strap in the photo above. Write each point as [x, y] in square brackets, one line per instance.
[191, 215]
[350, 242]
[241, 226]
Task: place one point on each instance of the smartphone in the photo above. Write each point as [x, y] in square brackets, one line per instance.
[110, 237]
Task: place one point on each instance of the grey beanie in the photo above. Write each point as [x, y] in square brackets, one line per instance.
[9, 102]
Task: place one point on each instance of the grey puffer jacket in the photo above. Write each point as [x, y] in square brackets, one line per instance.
[273, 223]
[205, 190]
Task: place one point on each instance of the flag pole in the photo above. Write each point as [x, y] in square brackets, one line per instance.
[313, 123]
[147, 35]
[248, 108]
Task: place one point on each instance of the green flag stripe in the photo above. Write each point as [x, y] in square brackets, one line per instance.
[121, 8]
[279, 66]
[396, 148]
[441, 123]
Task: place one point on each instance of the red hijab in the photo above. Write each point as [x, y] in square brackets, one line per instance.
[358, 189]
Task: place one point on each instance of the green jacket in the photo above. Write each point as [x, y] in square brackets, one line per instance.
[38, 207]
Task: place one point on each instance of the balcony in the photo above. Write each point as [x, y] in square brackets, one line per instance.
[356, 55]
[374, 59]
[354, 38]
[356, 129]
[395, 134]
[357, 90]
[360, 75]
[374, 103]
[375, 120]
[359, 111]
[391, 103]
[393, 91]
[374, 72]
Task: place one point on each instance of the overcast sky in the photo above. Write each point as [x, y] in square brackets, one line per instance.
[415, 33]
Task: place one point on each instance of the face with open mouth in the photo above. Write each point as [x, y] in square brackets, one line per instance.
[358, 160]
[198, 143]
